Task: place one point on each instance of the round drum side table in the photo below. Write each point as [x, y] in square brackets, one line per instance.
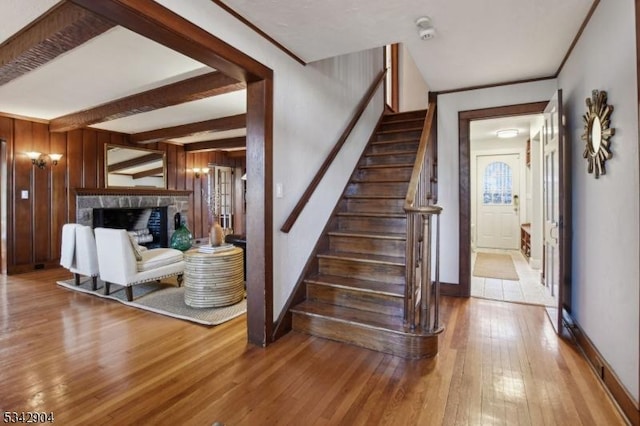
[213, 279]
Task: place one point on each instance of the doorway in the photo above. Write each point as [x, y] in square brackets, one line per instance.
[505, 208]
[559, 183]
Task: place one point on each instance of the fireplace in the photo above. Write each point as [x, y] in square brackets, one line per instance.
[147, 225]
[171, 202]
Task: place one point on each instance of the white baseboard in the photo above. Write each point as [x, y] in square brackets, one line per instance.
[535, 263]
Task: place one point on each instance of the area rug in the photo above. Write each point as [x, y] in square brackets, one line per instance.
[161, 298]
[494, 265]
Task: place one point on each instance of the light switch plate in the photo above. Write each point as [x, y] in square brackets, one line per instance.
[24, 194]
[279, 190]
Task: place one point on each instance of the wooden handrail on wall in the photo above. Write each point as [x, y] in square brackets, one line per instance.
[304, 199]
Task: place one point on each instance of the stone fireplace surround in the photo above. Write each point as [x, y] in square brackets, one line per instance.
[89, 198]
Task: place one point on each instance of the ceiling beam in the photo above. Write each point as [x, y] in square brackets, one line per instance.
[241, 153]
[163, 26]
[239, 142]
[150, 172]
[149, 158]
[218, 124]
[192, 89]
[62, 28]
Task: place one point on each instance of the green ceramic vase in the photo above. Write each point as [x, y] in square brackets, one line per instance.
[181, 239]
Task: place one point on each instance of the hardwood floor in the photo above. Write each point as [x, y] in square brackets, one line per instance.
[92, 361]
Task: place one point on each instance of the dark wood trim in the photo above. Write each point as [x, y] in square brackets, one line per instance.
[360, 108]
[23, 117]
[448, 289]
[283, 323]
[62, 28]
[577, 37]
[192, 89]
[239, 142]
[259, 218]
[464, 185]
[131, 191]
[395, 77]
[266, 36]
[241, 153]
[489, 86]
[217, 124]
[138, 161]
[626, 403]
[163, 26]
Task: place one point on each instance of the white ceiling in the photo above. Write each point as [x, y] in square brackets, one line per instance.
[477, 42]
[484, 130]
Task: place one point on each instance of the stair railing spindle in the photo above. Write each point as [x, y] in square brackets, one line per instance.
[422, 294]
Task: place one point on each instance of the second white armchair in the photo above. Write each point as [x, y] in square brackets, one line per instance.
[118, 263]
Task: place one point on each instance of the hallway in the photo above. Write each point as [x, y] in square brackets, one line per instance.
[527, 290]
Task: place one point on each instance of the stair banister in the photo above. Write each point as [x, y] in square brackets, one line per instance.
[422, 295]
[306, 196]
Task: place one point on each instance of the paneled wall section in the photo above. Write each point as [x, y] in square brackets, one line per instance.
[34, 223]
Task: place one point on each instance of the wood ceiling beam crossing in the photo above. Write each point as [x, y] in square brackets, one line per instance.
[152, 172]
[239, 142]
[217, 124]
[145, 159]
[192, 89]
[62, 28]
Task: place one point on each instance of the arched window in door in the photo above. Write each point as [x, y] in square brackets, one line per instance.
[498, 184]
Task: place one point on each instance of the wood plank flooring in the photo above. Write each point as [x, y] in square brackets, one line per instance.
[92, 361]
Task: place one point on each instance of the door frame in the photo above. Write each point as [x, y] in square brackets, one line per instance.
[464, 185]
[157, 23]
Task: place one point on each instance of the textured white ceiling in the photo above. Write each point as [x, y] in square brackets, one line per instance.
[477, 41]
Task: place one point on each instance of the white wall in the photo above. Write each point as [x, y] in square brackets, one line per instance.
[449, 105]
[605, 268]
[312, 106]
[413, 91]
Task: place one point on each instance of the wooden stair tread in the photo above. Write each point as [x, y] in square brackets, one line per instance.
[379, 287]
[392, 131]
[400, 236]
[390, 153]
[373, 214]
[375, 197]
[379, 180]
[404, 120]
[392, 116]
[383, 166]
[413, 139]
[363, 257]
[367, 319]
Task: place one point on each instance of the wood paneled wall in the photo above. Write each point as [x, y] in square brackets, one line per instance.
[34, 224]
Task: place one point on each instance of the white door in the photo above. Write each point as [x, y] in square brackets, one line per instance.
[498, 179]
[555, 206]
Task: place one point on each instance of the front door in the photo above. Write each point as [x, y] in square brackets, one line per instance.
[556, 199]
[497, 208]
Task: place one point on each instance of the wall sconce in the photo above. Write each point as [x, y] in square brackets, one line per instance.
[37, 159]
[198, 170]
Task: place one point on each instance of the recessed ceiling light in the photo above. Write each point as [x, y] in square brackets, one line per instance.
[507, 133]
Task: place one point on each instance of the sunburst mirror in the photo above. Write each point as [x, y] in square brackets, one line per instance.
[597, 133]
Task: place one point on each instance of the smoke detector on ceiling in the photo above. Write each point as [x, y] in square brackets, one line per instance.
[425, 28]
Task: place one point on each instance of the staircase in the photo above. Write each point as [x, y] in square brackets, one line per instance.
[356, 293]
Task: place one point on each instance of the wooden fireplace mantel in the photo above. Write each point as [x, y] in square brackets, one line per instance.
[132, 191]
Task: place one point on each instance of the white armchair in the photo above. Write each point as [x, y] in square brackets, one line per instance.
[118, 263]
[78, 252]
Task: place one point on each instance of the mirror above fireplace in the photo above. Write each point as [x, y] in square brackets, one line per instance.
[129, 167]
